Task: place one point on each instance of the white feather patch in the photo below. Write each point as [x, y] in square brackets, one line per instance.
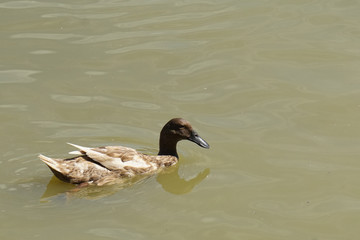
[112, 162]
[75, 152]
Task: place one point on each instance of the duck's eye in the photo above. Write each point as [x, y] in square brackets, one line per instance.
[182, 128]
[177, 128]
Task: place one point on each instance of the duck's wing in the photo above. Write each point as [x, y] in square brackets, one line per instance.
[75, 170]
[115, 157]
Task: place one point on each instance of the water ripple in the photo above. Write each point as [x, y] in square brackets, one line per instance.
[156, 45]
[69, 130]
[76, 99]
[196, 67]
[17, 76]
[28, 4]
[84, 16]
[140, 105]
[114, 233]
[171, 18]
[49, 36]
[115, 36]
[19, 107]
[37, 4]
[42, 52]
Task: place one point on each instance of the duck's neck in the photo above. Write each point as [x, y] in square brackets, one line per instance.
[167, 146]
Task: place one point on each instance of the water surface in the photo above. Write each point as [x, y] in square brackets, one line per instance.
[273, 86]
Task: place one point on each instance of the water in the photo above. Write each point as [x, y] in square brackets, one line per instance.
[273, 86]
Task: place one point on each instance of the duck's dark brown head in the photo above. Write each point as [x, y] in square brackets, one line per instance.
[175, 130]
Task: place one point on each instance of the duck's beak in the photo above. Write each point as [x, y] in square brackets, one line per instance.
[198, 140]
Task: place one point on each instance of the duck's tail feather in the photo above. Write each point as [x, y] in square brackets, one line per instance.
[52, 163]
[81, 148]
[55, 167]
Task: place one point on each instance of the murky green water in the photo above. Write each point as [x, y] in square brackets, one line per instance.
[273, 86]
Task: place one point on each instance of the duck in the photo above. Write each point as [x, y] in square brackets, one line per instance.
[108, 164]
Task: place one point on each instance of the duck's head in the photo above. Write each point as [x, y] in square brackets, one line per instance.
[175, 130]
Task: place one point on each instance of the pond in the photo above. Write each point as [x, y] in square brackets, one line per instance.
[272, 86]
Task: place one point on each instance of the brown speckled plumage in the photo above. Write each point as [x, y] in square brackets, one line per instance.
[106, 165]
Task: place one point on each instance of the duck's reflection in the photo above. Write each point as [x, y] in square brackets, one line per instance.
[169, 179]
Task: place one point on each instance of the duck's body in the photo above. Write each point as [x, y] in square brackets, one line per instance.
[105, 165]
